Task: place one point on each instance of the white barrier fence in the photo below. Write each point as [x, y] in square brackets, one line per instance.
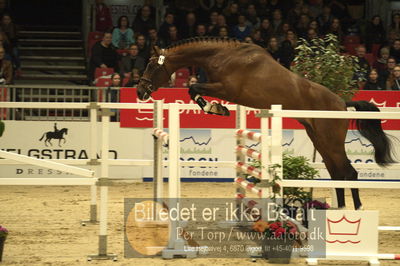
[272, 146]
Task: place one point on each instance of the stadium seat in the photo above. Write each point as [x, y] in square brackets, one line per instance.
[95, 35]
[375, 49]
[182, 73]
[354, 39]
[351, 48]
[180, 83]
[371, 58]
[103, 72]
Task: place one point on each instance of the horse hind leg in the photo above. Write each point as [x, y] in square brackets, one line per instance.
[329, 141]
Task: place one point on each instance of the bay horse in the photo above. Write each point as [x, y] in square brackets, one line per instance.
[246, 74]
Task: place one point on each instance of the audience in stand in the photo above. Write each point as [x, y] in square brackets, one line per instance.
[374, 33]
[103, 17]
[132, 60]
[6, 69]
[393, 82]
[10, 29]
[144, 49]
[144, 21]
[373, 82]
[395, 50]
[103, 55]
[134, 78]
[122, 36]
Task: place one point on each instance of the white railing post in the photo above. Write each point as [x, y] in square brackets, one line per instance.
[176, 245]
[265, 156]
[276, 144]
[158, 179]
[104, 182]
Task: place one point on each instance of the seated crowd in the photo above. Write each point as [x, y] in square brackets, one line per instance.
[9, 59]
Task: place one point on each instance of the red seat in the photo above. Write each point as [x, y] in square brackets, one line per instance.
[180, 83]
[182, 73]
[370, 58]
[351, 48]
[103, 72]
[95, 35]
[103, 82]
[351, 39]
[123, 52]
[375, 49]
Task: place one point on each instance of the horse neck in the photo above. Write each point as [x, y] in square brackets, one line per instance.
[197, 54]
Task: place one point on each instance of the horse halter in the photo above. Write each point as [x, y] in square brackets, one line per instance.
[149, 88]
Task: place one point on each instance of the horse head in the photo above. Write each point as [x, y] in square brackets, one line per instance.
[155, 75]
[64, 130]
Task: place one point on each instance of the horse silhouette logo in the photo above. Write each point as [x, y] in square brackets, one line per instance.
[56, 134]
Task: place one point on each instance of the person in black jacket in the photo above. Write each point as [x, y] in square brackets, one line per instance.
[373, 82]
[103, 55]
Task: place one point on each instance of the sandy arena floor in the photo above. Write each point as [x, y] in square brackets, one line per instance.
[44, 224]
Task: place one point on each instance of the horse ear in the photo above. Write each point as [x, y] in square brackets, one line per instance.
[156, 50]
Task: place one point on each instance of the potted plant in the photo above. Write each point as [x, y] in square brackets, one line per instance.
[3, 236]
[278, 239]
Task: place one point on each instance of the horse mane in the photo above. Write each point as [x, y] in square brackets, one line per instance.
[205, 39]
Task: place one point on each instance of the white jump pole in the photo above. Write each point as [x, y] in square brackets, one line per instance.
[103, 183]
[265, 156]
[240, 124]
[47, 164]
[93, 162]
[176, 243]
[158, 122]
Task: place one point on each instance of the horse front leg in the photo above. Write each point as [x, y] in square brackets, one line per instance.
[198, 90]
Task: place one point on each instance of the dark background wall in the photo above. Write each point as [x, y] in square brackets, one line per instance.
[47, 12]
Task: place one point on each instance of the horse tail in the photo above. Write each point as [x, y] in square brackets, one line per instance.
[371, 129]
[42, 137]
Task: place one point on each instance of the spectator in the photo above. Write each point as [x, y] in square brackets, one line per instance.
[231, 13]
[212, 23]
[144, 49]
[373, 82]
[122, 36]
[394, 28]
[273, 48]
[241, 30]
[143, 21]
[116, 82]
[154, 40]
[275, 5]
[134, 78]
[277, 20]
[374, 33]
[173, 36]
[221, 22]
[325, 19]
[10, 29]
[286, 51]
[6, 45]
[386, 73]
[188, 29]
[132, 60]
[103, 55]
[336, 29]
[252, 16]
[302, 26]
[169, 20]
[266, 29]
[201, 30]
[6, 69]
[282, 32]
[223, 32]
[204, 10]
[311, 34]
[395, 50]
[248, 39]
[191, 80]
[393, 82]
[314, 25]
[219, 6]
[381, 63]
[262, 9]
[362, 62]
[103, 17]
[316, 7]
[295, 13]
[256, 37]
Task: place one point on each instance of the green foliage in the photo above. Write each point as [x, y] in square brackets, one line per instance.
[320, 61]
[294, 167]
[2, 127]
